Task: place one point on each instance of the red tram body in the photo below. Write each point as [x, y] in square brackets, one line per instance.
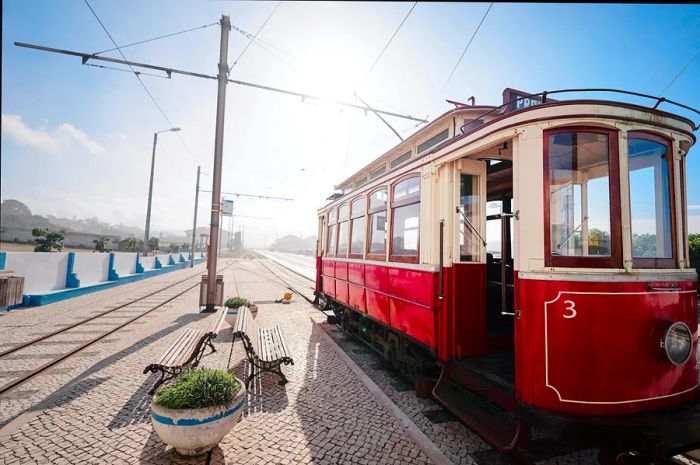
[571, 307]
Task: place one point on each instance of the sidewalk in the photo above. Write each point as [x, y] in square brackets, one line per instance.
[323, 415]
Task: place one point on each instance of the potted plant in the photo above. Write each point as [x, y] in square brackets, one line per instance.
[198, 409]
[233, 303]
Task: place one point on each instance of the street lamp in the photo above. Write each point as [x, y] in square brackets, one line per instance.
[150, 189]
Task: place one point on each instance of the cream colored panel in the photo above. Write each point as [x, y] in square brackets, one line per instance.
[528, 197]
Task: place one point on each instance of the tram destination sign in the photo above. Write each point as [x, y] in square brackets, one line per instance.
[517, 100]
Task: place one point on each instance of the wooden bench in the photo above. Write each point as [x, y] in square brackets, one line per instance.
[265, 348]
[187, 349]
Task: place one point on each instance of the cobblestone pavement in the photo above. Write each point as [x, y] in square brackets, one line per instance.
[323, 415]
[26, 324]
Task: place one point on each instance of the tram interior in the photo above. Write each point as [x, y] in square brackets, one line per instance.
[497, 362]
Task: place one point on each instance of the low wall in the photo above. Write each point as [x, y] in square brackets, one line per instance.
[42, 271]
[91, 268]
[125, 263]
[54, 276]
[148, 263]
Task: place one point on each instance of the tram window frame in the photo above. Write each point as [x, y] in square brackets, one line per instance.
[394, 205]
[614, 260]
[371, 212]
[343, 221]
[656, 262]
[332, 223]
[354, 216]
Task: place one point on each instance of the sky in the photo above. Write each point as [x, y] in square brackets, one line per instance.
[77, 140]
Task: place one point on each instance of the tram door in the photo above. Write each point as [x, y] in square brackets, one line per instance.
[469, 257]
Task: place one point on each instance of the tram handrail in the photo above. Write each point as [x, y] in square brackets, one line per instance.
[471, 226]
[544, 94]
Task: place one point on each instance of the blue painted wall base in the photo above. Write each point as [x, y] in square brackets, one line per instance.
[34, 300]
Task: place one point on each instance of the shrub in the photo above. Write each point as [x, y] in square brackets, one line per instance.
[199, 388]
[235, 302]
[694, 246]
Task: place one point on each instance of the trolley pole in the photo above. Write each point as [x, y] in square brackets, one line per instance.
[194, 225]
[218, 155]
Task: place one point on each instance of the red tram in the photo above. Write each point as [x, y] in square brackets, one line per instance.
[534, 258]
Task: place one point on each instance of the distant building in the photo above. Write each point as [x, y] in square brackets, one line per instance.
[295, 244]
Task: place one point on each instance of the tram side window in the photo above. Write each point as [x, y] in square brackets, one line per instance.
[469, 200]
[343, 217]
[376, 247]
[579, 195]
[330, 246]
[357, 231]
[405, 213]
[650, 200]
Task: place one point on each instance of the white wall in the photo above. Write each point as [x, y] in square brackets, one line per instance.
[91, 268]
[125, 263]
[42, 271]
[164, 259]
[148, 263]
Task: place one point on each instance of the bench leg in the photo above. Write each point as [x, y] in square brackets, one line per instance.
[251, 376]
[164, 376]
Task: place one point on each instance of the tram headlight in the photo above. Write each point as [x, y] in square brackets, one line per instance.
[677, 342]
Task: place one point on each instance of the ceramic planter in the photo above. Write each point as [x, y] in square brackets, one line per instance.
[232, 314]
[196, 431]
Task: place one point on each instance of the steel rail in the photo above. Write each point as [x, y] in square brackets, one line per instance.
[289, 286]
[19, 381]
[59, 331]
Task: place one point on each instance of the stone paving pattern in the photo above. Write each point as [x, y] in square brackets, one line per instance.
[323, 415]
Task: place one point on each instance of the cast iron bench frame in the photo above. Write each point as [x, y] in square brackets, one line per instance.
[265, 348]
[187, 349]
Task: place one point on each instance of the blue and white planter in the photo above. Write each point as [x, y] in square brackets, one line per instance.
[232, 314]
[197, 431]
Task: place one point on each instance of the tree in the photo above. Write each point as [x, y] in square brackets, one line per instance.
[101, 244]
[694, 246]
[15, 207]
[132, 244]
[153, 244]
[173, 247]
[48, 240]
[644, 245]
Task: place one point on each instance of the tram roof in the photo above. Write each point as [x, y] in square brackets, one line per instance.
[514, 102]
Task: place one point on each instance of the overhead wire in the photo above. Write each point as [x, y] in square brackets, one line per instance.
[386, 46]
[265, 46]
[153, 99]
[682, 70]
[255, 36]
[157, 38]
[467, 47]
[126, 70]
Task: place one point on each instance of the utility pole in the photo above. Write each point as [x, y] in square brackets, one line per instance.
[218, 155]
[194, 225]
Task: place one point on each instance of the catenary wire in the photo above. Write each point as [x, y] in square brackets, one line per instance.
[157, 38]
[155, 102]
[682, 70]
[466, 48]
[386, 46]
[255, 36]
[126, 70]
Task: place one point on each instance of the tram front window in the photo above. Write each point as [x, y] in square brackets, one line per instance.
[579, 194]
[650, 198]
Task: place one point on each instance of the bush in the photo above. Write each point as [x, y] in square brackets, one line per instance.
[694, 246]
[199, 388]
[235, 302]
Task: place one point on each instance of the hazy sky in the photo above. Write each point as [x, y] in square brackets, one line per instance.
[76, 140]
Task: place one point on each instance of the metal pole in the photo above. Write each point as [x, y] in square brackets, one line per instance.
[194, 225]
[221, 215]
[218, 155]
[150, 196]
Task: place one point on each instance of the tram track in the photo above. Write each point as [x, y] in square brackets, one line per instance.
[10, 386]
[297, 276]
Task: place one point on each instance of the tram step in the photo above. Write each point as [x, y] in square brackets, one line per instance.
[483, 406]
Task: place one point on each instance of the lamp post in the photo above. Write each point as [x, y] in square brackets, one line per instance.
[150, 189]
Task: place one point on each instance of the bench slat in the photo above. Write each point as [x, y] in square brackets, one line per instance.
[189, 349]
[174, 347]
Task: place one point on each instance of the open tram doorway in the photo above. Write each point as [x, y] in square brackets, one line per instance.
[478, 382]
[485, 210]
